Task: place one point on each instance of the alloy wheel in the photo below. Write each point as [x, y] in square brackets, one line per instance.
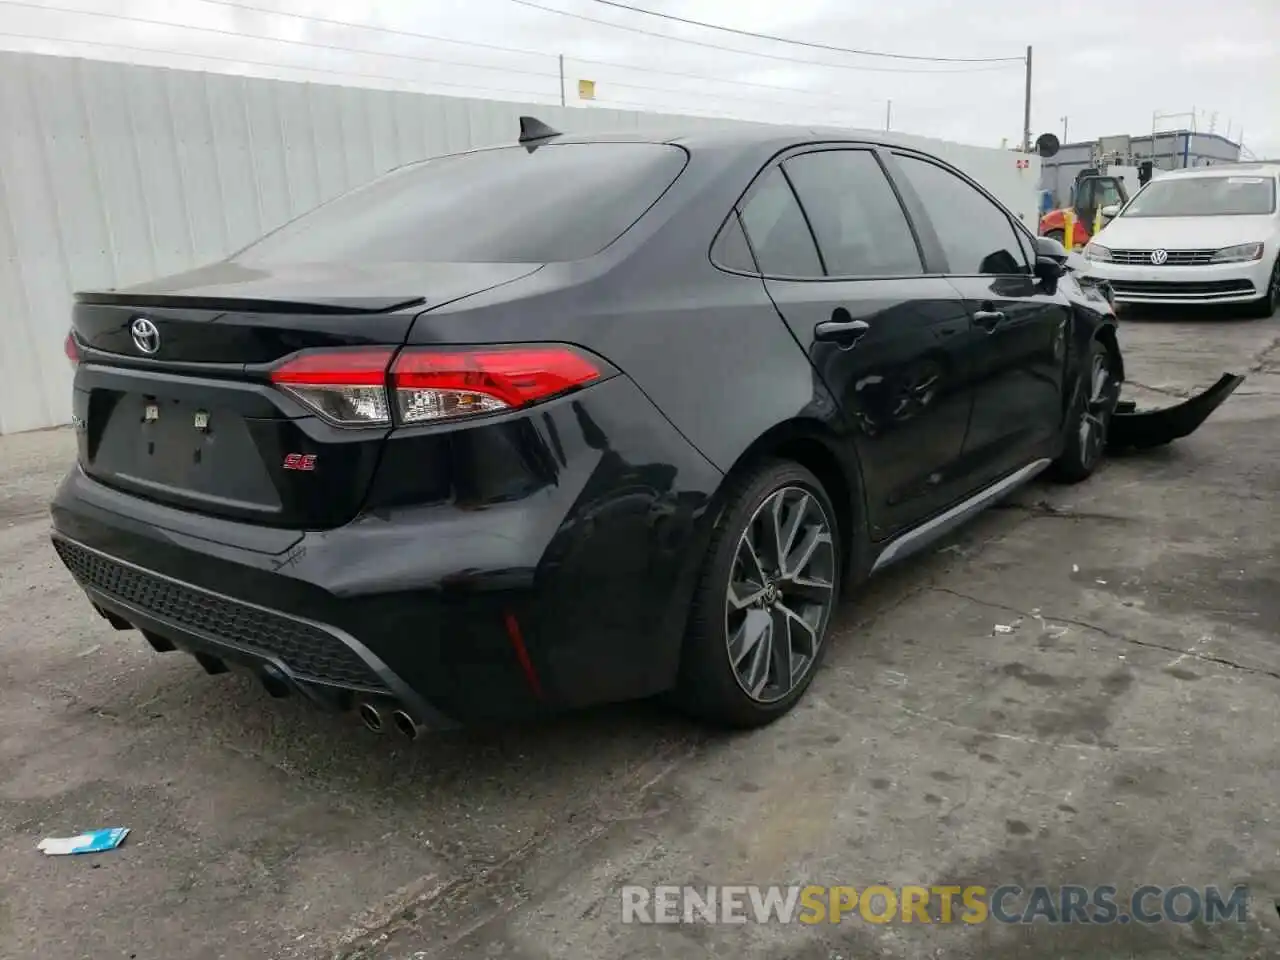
[780, 594]
[1096, 416]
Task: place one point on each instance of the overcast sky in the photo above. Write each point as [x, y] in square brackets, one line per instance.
[1107, 66]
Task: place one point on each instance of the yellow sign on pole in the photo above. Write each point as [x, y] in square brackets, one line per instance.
[586, 89]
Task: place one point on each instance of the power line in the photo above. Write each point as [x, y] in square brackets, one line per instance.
[129, 18]
[415, 81]
[806, 43]
[395, 32]
[423, 36]
[710, 93]
[834, 98]
[412, 81]
[752, 53]
[275, 65]
[373, 28]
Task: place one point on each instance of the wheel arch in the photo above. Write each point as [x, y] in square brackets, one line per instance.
[829, 457]
[1106, 334]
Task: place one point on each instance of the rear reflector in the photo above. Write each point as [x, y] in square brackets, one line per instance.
[446, 384]
[351, 387]
[346, 387]
[71, 349]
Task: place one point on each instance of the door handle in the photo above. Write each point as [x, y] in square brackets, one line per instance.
[844, 332]
[988, 319]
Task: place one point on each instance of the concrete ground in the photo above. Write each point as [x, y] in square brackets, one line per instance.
[1124, 732]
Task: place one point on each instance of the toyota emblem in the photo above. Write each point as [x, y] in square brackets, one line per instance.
[146, 337]
[1158, 257]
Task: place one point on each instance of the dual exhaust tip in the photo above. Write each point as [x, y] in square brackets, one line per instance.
[372, 718]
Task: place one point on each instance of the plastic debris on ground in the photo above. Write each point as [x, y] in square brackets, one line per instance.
[91, 841]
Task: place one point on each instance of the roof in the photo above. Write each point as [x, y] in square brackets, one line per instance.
[1161, 134]
[1225, 170]
[731, 134]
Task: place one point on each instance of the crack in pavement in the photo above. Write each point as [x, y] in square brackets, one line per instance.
[1043, 509]
[1263, 356]
[1180, 392]
[587, 823]
[1111, 634]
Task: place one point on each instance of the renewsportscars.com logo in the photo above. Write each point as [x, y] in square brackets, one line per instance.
[1009, 903]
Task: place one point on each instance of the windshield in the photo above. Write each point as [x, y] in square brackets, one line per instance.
[508, 205]
[1099, 193]
[1205, 197]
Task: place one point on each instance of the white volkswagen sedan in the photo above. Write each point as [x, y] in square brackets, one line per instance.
[1202, 235]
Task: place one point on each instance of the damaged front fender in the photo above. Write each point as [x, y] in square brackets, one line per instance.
[1143, 429]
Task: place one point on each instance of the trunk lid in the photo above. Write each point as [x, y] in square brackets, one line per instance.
[173, 399]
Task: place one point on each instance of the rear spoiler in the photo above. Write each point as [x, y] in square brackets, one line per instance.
[326, 305]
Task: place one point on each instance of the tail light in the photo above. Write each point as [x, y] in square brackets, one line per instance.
[426, 385]
[447, 384]
[346, 387]
[71, 349]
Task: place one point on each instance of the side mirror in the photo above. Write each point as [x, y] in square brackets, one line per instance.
[1049, 248]
[1051, 259]
[1110, 210]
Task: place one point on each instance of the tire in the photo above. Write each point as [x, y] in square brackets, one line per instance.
[1270, 301]
[725, 678]
[1089, 421]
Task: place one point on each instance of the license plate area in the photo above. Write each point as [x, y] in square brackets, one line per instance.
[174, 449]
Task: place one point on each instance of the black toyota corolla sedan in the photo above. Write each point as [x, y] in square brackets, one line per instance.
[575, 420]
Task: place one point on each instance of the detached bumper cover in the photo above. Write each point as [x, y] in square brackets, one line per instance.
[1143, 429]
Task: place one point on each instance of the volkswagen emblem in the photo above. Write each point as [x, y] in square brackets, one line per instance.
[1158, 257]
[145, 335]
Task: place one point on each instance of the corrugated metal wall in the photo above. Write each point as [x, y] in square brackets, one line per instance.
[112, 174]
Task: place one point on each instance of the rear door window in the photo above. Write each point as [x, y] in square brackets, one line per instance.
[779, 235]
[731, 250]
[976, 234]
[856, 217]
[508, 205]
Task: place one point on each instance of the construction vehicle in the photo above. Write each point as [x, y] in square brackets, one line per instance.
[1094, 189]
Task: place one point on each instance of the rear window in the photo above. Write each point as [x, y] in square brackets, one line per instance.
[509, 205]
[1205, 197]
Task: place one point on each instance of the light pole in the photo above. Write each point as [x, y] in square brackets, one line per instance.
[1026, 108]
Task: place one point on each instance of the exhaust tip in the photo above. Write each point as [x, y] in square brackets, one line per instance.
[406, 724]
[370, 717]
[274, 681]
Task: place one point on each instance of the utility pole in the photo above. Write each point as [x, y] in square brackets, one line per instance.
[888, 114]
[1064, 128]
[1026, 109]
[562, 79]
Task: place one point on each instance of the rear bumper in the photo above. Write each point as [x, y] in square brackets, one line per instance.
[458, 612]
[288, 653]
[1213, 283]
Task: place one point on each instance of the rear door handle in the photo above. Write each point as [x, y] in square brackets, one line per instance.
[844, 332]
[988, 319]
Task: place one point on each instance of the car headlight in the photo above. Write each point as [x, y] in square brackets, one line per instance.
[1096, 251]
[1240, 253]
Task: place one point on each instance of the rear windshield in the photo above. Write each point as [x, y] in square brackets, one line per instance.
[508, 205]
[1205, 197]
